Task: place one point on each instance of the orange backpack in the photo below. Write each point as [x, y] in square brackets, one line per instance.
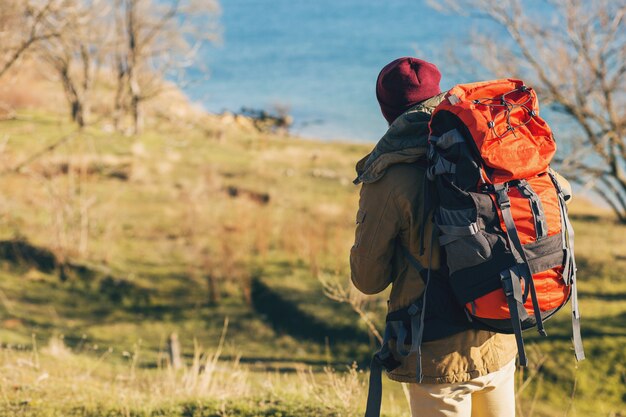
[502, 220]
[500, 210]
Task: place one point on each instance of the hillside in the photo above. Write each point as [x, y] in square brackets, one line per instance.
[110, 243]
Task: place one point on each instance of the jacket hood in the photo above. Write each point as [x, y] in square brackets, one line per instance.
[405, 141]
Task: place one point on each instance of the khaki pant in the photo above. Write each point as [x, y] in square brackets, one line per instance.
[492, 395]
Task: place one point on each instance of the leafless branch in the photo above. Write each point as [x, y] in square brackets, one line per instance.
[346, 294]
[155, 41]
[573, 53]
[22, 25]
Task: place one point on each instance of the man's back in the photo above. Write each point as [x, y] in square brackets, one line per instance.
[389, 220]
[459, 367]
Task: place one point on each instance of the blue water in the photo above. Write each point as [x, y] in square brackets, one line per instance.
[320, 58]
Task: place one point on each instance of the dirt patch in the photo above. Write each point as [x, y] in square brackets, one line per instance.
[260, 198]
[105, 167]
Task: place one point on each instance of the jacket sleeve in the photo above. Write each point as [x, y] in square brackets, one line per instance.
[377, 227]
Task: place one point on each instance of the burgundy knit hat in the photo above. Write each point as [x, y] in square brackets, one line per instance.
[403, 83]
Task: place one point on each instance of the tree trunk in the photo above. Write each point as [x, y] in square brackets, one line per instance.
[215, 295]
[78, 114]
[174, 351]
[74, 98]
[118, 104]
[134, 88]
[137, 112]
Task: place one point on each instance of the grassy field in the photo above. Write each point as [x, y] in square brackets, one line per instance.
[111, 243]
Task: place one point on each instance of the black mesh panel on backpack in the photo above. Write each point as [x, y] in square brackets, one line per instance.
[468, 220]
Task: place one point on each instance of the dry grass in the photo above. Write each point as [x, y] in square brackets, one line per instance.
[56, 378]
[171, 226]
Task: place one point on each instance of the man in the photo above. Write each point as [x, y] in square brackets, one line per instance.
[465, 372]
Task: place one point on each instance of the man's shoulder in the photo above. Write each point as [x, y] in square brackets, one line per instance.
[402, 181]
[405, 175]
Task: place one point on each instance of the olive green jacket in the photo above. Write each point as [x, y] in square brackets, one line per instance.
[389, 218]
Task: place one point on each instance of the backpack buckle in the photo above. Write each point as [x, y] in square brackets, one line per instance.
[502, 195]
[386, 359]
[413, 309]
[503, 199]
[507, 283]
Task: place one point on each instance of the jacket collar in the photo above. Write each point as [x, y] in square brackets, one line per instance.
[405, 141]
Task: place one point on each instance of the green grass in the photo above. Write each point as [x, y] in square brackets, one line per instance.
[156, 237]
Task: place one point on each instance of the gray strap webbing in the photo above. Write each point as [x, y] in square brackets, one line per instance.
[518, 251]
[417, 329]
[536, 207]
[579, 351]
[513, 292]
[448, 139]
[511, 231]
[418, 371]
[400, 336]
[413, 261]
[417, 321]
[395, 329]
[375, 390]
[416, 332]
[381, 360]
[515, 244]
[567, 233]
[441, 166]
[577, 338]
[569, 270]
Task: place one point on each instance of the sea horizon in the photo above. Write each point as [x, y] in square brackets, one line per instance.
[320, 61]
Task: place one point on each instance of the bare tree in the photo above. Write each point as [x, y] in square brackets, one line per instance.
[347, 294]
[75, 55]
[24, 23]
[573, 52]
[157, 40]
